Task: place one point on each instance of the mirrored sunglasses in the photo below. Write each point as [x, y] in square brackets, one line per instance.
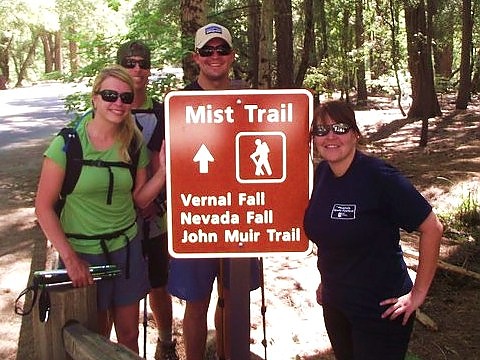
[131, 63]
[112, 96]
[337, 129]
[222, 50]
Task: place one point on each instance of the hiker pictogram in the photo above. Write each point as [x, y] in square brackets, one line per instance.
[260, 158]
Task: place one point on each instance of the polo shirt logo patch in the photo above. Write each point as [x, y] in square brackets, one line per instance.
[343, 211]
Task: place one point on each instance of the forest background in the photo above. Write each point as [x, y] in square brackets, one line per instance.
[399, 47]
[420, 56]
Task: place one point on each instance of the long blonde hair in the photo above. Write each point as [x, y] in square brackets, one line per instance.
[128, 130]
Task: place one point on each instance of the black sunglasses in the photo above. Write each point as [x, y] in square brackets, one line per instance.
[112, 96]
[337, 129]
[221, 50]
[131, 63]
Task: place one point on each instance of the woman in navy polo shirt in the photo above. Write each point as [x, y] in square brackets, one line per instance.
[358, 206]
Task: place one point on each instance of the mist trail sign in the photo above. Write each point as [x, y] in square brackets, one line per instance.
[239, 173]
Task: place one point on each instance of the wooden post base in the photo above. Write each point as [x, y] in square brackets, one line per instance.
[79, 304]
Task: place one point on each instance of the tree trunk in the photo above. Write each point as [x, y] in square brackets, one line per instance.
[47, 52]
[464, 90]
[27, 62]
[445, 20]
[322, 23]
[419, 42]
[193, 17]
[444, 59]
[308, 43]
[345, 50]
[253, 40]
[359, 42]
[73, 52]
[265, 51]
[395, 51]
[5, 43]
[476, 73]
[284, 41]
[58, 51]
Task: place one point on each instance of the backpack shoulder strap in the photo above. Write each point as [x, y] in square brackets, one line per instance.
[158, 108]
[134, 153]
[73, 165]
[159, 111]
[74, 155]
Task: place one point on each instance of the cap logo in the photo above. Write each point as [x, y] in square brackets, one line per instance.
[213, 30]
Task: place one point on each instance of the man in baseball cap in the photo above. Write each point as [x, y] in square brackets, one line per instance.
[214, 56]
[135, 57]
[192, 279]
[212, 31]
[131, 49]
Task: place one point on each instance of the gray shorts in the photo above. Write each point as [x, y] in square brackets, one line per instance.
[120, 291]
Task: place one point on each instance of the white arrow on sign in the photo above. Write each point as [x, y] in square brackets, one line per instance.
[203, 157]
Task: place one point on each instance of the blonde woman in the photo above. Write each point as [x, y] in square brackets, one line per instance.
[97, 224]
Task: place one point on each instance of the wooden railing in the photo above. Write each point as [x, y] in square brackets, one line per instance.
[81, 343]
[70, 329]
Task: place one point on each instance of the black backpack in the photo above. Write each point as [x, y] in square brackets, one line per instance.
[75, 161]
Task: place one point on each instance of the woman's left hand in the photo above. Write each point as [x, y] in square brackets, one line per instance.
[406, 305]
[149, 212]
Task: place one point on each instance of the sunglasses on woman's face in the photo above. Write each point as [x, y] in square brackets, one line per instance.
[112, 96]
[131, 63]
[221, 50]
[337, 129]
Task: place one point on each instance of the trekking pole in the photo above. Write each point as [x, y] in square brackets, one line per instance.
[221, 305]
[263, 308]
[145, 323]
[145, 240]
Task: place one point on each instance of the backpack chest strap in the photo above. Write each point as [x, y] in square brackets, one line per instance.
[108, 165]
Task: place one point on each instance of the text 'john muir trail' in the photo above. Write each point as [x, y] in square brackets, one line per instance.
[221, 213]
[236, 236]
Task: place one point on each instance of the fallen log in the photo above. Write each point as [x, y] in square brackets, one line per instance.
[447, 266]
[425, 320]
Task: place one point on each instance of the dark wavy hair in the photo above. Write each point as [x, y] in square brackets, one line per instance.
[338, 111]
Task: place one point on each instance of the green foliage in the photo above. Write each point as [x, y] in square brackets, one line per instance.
[464, 218]
[411, 356]
[387, 84]
[114, 4]
[443, 84]
[379, 24]
[159, 88]
[469, 211]
[99, 26]
[157, 24]
[321, 79]
[77, 103]
[54, 75]
[82, 21]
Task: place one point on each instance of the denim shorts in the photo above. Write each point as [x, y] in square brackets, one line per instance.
[192, 279]
[120, 291]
